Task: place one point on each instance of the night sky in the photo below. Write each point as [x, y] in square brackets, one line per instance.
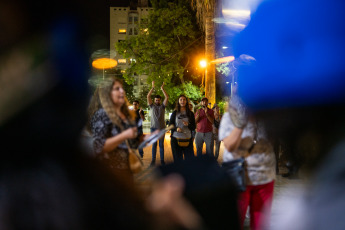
[101, 17]
[118, 2]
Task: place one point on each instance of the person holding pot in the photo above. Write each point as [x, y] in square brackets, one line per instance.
[181, 135]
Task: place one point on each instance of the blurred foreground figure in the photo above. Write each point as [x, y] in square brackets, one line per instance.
[297, 86]
[113, 126]
[46, 182]
[244, 136]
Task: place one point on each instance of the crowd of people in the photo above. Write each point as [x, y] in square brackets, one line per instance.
[187, 127]
[47, 181]
[116, 129]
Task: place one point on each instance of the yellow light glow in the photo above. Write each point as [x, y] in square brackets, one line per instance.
[223, 59]
[104, 63]
[122, 61]
[236, 13]
[122, 30]
[203, 63]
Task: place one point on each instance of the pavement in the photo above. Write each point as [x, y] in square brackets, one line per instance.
[282, 187]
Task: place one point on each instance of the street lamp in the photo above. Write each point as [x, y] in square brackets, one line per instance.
[104, 63]
[203, 64]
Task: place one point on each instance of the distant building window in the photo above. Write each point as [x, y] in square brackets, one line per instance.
[130, 32]
[130, 19]
[135, 31]
[122, 61]
[135, 20]
[122, 31]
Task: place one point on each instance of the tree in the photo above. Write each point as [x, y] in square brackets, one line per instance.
[164, 50]
[205, 11]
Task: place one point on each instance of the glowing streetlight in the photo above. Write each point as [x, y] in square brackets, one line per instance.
[203, 63]
[104, 63]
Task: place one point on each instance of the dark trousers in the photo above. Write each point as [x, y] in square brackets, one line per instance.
[179, 151]
[161, 148]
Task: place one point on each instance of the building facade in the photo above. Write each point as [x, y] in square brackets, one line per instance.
[124, 22]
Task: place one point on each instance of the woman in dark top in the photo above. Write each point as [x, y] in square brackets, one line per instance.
[181, 136]
[112, 124]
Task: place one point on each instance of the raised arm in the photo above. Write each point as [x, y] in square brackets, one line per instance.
[149, 100]
[166, 97]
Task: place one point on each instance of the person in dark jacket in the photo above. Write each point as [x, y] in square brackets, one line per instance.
[181, 135]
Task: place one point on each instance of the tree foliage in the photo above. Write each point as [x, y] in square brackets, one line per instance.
[164, 50]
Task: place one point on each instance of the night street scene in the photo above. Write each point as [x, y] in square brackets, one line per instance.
[172, 114]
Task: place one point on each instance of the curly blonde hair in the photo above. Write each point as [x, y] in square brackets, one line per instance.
[102, 99]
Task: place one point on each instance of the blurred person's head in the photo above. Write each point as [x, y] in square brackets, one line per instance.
[118, 94]
[135, 104]
[110, 96]
[157, 99]
[190, 106]
[204, 102]
[297, 79]
[215, 108]
[182, 102]
[44, 66]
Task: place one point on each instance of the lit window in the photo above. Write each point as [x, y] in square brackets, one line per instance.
[122, 31]
[123, 71]
[122, 61]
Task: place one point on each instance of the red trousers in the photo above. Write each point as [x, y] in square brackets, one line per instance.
[259, 199]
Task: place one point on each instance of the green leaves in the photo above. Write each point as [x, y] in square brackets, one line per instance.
[162, 50]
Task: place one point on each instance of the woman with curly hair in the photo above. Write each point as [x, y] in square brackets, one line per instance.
[112, 124]
[181, 136]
